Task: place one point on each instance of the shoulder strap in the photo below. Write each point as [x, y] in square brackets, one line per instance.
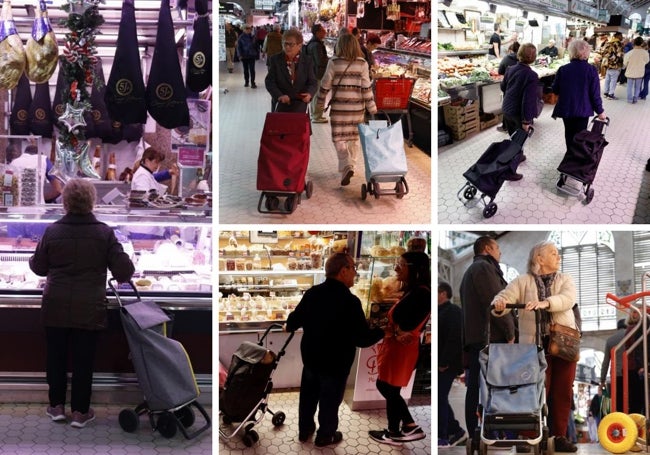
[337, 85]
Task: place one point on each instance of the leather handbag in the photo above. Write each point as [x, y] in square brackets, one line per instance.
[564, 342]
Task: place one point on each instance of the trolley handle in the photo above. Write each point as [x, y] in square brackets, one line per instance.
[113, 288]
[268, 330]
[519, 306]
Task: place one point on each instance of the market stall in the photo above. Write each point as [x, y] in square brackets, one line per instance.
[468, 93]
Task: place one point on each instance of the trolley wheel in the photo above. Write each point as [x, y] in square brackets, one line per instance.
[470, 192]
[561, 181]
[617, 432]
[490, 210]
[639, 420]
[309, 189]
[167, 425]
[376, 190]
[409, 142]
[482, 448]
[272, 203]
[290, 203]
[226, 419]
[589, 195]
[247, 440]
[278, 419]
[399, 190]
[364, 191]
[129, 420]
[254, 436]
[185, 416]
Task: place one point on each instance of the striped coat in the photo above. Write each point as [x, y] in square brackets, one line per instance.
[352, 95]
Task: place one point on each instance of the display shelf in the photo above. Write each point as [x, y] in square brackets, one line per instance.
[460, 53]
[267, 272]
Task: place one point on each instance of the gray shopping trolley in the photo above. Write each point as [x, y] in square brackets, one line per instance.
[163, 369]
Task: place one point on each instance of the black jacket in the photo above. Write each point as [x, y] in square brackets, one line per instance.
[318, 54]
[74, 254]
[334, 325]
[450, 327]
[278, 82]
[520, 92]
[481, 282]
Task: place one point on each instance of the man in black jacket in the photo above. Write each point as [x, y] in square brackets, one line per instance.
[316, 51]
[450, 365]
[481, 282]
[334, 325]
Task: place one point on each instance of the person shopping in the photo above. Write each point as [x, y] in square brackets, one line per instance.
[248, 52]
[74, 255]
[398, 352]
[578, 88]
[634, 63]
[347, 78]
[290, 80]
[547, 289]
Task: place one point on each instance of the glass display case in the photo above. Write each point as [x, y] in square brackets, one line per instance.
[402, 63]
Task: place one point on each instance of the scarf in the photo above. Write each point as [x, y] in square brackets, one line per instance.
[544, 283]
[291, 66]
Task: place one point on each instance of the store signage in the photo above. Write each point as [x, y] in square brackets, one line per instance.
[562, 5]
[259, 12]
[603, 15]
[191, 156]
[583, 9]
[225, 8]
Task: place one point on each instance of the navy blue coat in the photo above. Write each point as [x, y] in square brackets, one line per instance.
[520, 93]
[578, 88]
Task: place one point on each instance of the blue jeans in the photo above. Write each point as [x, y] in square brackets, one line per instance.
[644, 88]
[447, 423]
[633, 88]
[571, 433]
[325, 392]
[611, 79]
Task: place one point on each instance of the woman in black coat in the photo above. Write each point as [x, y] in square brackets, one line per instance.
[290, 79]
[74, 254]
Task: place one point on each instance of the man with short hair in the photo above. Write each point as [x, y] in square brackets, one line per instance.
[315, 49]
[550, 49]
[334, 325]
[482, 280]
[231, 43]
[450, 365]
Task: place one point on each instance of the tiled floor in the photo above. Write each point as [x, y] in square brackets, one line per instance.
[241, 117]
[457, 400]
[26, 430]
[353, 424]
[621, 185]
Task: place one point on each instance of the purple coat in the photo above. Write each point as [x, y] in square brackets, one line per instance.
[578, 87]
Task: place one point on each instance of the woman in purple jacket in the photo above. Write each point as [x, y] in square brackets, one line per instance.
[578, 88]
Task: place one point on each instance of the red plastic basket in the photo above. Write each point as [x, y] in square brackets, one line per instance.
[393, 92]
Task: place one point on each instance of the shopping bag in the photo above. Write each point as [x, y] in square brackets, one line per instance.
[383, 148]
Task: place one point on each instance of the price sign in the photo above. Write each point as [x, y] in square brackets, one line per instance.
[191, 156]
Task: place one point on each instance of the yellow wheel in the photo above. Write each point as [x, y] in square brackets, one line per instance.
[639, 420]
[617, 432]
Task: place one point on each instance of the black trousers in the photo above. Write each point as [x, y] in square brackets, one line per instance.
[249, 69]
[572, 126]
[325, 392]
[81, 344]
[397, 410]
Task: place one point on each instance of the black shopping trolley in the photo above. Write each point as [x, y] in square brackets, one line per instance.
[392, 95]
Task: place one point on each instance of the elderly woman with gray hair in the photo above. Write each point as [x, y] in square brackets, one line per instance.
[578, 88]
[545, 288]
[74, 254]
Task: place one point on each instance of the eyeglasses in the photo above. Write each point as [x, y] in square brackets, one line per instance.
[352, 266]
[289, 44]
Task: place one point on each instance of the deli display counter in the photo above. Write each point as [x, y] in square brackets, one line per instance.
[172, 255]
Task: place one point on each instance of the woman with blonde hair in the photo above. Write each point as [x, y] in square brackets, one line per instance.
[348, 79]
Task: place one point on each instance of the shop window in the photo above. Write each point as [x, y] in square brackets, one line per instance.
[588, 256]
[641, 244]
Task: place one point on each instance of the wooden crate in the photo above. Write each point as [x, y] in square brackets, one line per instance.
[455, 115]
[463, 130]
[498, 118]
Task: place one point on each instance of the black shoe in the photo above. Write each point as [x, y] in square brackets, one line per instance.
[253, 85]
[606, 95]
[523, 158]
[230, 70]
[562, 444]
[523, 448]
[346, 177]
[303, 436]
[326, 441]
[245, 84]
[502, 129]
[514, 177]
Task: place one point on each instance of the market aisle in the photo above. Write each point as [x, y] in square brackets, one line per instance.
[28, 431]
[622, 185]
[353, 424]
[241, 118]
